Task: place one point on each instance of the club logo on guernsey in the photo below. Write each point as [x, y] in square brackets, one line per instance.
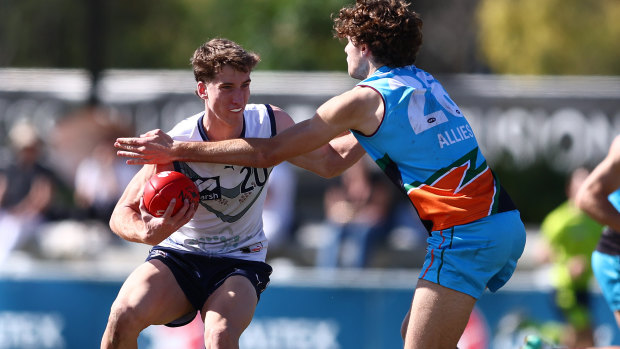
[209, 188]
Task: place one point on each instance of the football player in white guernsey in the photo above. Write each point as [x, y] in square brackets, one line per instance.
[209, 259]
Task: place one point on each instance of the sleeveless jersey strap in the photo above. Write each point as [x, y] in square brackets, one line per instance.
[272, 119]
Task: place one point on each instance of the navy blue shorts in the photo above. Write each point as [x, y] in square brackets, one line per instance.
[199, 275]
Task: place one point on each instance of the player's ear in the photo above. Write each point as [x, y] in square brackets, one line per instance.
[201, 90]
[364, 49]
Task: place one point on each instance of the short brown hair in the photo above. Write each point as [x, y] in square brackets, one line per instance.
[213, 55]
[390, 28]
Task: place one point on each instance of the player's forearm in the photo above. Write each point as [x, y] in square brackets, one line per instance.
[597, 206]
[128, 225]
[607, 216]
[347, 152]
[252, 152]
[331, 159]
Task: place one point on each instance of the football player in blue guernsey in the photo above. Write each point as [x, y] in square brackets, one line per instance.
[417, 135]
[210, 258]
[599, 196]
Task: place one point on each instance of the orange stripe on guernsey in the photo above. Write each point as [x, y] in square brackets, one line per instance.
[455, 195]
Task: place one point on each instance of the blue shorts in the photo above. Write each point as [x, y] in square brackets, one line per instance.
[471, 257]
[199, 275]
[606, 270]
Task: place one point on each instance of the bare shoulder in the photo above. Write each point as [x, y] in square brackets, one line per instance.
[360, 97]
[361, 107]
[283, 119]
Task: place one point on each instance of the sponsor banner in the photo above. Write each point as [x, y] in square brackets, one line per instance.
[54, 314]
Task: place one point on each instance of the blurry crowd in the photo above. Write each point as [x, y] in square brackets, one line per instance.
[58, 187]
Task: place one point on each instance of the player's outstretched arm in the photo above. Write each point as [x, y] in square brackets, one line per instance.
[355, 109]
[131, 221]
[592, 197]
[157, 147]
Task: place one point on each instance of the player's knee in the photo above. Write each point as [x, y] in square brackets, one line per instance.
[124, 321]
[220, 337]
[403, 327]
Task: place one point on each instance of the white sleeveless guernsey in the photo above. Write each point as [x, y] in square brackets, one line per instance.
[228, 222]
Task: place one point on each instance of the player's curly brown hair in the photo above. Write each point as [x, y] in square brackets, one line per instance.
[213, 55]
[391, 29]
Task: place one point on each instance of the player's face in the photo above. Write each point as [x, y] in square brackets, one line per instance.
[227, 94]
[356, 61]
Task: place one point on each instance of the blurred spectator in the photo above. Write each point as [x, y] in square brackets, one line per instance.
[28, 190]
[279, 208]
[357, 217]
[77, 133]
[83, 142]
[81, 153]
[407, 234]
[571, 236]
[100, 179]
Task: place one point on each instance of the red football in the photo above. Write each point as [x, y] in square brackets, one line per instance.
[165, 186]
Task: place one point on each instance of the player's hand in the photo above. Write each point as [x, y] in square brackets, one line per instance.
[159, 228]
[153, 147]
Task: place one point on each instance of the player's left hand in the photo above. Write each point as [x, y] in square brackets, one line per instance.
[159, 228]
[153, 147]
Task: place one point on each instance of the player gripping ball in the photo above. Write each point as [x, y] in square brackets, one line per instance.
[164, 186]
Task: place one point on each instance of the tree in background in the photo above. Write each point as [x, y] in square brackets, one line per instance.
[141, 34]
[469, 36]
[43, 33]
[550, 36]
[288, 34]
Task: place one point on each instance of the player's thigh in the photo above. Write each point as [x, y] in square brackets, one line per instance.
[152, 295]
[437, 317]
[231, 305]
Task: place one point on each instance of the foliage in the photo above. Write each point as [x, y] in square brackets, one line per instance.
[550, 36]
[42, 33]
[288, 34]
[516, 37]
